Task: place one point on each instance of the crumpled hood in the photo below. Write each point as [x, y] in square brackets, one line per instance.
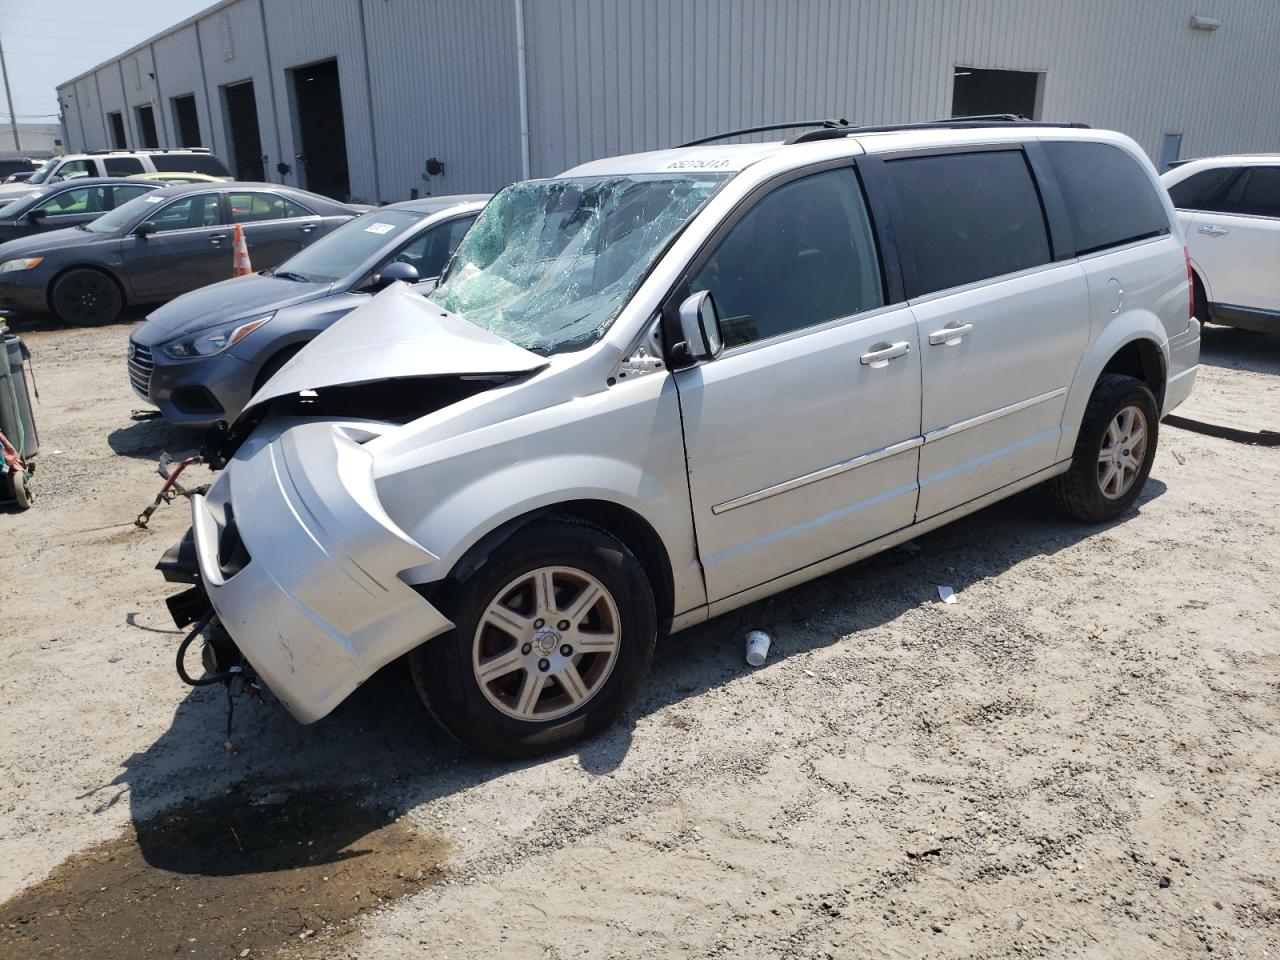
[41, 243]
[234, 299]
[397, 334]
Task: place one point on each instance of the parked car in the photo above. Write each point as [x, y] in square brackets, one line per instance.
[17, 167]
[157, 246]
[661, 386]
[67, 204]
[121, 163]
[194, 357]
[1229, 208]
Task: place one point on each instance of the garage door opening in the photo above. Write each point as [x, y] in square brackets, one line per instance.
[317, 100]
[977, 92]
[241, 110]
[147, 126]
[186, 121]
[117, 131]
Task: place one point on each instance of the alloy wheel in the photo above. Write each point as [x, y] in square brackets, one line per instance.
[546, 643]
[1124, 447]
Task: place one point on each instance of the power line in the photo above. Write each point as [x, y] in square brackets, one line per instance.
[46, 36]
[96, 23]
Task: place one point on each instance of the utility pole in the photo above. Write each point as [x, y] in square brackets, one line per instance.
[8, 92]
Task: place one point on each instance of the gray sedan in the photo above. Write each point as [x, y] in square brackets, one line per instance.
[65, 204]
[157, 246]
[202, 356]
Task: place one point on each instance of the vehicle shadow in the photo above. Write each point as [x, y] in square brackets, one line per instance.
[45, 322]
[1240, 349]
[147, 439]
[381, 748]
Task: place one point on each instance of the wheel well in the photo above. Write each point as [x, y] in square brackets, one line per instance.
[286, 352]
[48, 292]
[1142, 360]
[623, 523]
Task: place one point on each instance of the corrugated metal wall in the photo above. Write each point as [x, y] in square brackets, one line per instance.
[424, 78]
[615, 76]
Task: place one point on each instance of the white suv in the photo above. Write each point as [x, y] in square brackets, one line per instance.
[119, 163]
[661, 386]
[1229, 208]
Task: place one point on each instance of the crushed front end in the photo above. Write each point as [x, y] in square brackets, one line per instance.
[300, 566]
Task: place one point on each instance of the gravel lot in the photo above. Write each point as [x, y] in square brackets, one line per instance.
[1080, 757]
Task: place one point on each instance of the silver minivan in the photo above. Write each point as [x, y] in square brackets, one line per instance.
[661, 386]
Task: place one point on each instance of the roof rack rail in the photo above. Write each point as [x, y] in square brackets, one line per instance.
[94, 153]
[793, 125]
[954, 123]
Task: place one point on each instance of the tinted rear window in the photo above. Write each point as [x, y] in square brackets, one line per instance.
[1110, 199]
[1201, 189]
[122, 166]
[969, 216]
[189, 163]
[1255, 194]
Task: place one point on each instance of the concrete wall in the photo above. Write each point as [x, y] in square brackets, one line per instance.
[438, 78]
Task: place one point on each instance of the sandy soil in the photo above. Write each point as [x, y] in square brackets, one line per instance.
[1079, 758]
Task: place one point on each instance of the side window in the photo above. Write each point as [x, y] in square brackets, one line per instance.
[126, 192]
[251, 207]
[430, 252]
[1203, 190]
[122, 166]
[77, 201]
[188, 213]
[189, 163]
[803, 255]
[1256, 194]
[968, 217]
[74, 168]
[1110, 199]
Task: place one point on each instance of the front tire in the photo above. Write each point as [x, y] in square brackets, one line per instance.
[1114, 451]
[87, 298]
[554, 634]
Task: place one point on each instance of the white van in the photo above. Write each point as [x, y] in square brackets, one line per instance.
[119, 163]
[658, 387]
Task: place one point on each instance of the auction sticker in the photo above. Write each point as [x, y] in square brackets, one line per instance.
[379, 228]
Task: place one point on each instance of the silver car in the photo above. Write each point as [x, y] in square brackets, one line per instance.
[661, 386]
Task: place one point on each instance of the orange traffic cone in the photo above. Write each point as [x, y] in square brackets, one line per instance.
[240, 265]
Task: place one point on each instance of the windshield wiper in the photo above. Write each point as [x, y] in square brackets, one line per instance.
[288, 275]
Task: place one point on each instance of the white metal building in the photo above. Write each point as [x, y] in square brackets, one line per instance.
[364, 97]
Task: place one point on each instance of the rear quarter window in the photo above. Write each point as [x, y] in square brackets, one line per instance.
[968, 217]
[188, 163]
[1201, 191]
[1110, 199]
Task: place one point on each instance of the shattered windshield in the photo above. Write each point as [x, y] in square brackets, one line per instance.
[550, 263]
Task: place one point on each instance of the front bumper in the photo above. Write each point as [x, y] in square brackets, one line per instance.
[195, 393]
[301, 565]
[24, 296]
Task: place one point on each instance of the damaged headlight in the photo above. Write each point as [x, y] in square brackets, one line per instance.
[206, 343]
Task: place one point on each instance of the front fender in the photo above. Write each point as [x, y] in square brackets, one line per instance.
[1125, 328]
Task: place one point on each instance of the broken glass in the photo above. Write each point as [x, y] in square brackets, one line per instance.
[551, 263]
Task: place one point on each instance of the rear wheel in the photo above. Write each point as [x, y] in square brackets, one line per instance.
[1114, 451]
[554, 635]
[85, 297]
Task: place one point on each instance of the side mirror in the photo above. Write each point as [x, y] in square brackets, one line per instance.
[145, 229]
[396, 270]
[35, 216]
[700, 327]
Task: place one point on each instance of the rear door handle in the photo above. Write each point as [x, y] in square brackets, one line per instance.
[1212, 230]
[881, 353]
[951, 334]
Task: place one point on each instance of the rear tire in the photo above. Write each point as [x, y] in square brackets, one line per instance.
[86, 297]
[1114, 451]
[508, 679]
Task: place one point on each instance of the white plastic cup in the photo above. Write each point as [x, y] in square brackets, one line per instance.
[757, 647]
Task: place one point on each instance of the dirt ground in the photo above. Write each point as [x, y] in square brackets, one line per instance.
[1079, 758]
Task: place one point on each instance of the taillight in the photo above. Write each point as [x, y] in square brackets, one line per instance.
[1191, 285]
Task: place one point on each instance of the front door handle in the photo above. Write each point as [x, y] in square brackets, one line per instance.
[881, 353]
[307, 228]
[1212, 230]
[951, 334]
[217, 238]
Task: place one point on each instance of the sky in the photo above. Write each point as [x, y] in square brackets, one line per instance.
[47, 44]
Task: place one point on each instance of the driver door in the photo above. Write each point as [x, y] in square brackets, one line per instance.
[803, 436]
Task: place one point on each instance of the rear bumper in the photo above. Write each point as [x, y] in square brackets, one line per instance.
[302, 565]
[1184, 362]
